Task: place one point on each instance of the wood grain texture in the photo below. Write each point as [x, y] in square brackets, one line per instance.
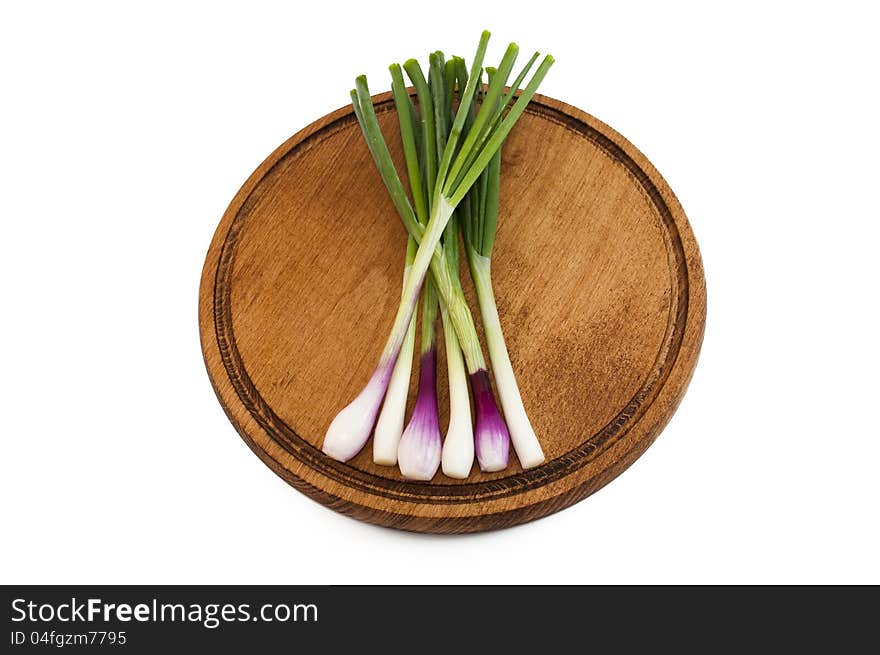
[302, 280]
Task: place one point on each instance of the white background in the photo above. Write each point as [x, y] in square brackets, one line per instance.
[125, 133]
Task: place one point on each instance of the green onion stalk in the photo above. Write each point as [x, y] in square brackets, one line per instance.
[479, 237]
[459, 168]
[457, 455]
[417, 450]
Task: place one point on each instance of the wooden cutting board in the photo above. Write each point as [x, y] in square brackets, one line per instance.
[599, 285]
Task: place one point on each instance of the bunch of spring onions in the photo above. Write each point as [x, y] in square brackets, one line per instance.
[452, 152]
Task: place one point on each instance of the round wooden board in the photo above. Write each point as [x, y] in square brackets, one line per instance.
[599, 285]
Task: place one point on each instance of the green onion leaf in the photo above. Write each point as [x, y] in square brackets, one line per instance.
[501, 132]
[366, 115]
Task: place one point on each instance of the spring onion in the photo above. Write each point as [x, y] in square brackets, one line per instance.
[459, 167]
[458, 450]
[457, 456]
[479, 237]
